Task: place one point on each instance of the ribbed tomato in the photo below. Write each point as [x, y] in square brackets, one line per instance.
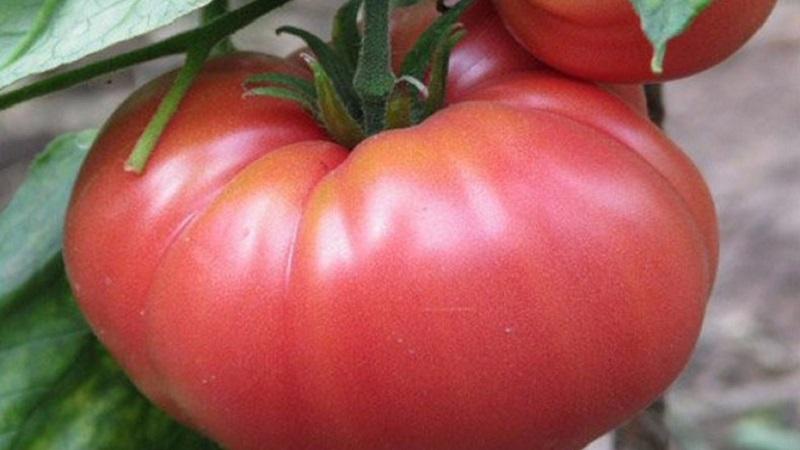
[525, 269]
[603, 39]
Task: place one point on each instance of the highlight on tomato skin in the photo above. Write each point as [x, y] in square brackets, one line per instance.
[525, 269]
[603, 40]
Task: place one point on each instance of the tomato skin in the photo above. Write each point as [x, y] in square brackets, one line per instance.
[119, 224]
[581, 102]
[524, 270]
[602, 40]
[427, 297]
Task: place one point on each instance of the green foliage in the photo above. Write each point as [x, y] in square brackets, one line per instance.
[38, 35]
[58, 387]
[30, 227]
[663, 20]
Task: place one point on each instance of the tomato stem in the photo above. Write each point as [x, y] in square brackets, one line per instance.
[169, 105]
[374, 79]
[358, 96]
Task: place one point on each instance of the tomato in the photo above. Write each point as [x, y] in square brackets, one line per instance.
[487, 50]
[603, 40]
[525, 269]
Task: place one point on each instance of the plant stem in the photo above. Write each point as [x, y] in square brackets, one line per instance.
[374, 79]
[211, 12]
[655, 103]
[169, 105]
[214, 31]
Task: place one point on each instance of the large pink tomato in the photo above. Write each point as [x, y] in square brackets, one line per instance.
[603, 39]
[525, 269]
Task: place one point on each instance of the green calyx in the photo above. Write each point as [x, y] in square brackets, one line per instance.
[354, 93]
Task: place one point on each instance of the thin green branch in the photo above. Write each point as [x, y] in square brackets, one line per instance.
[211, 12]
[216, 30]
[167, 108]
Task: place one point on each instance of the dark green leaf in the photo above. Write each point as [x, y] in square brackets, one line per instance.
[419, 58]
[93, 406]
[663, 20]
[346, 35]
[38, 35]
[41, 335]
[30, 227]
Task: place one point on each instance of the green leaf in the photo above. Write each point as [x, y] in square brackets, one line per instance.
[38, 35]
[93, 406]
[30, 227]
[663, 20]
[58, 387]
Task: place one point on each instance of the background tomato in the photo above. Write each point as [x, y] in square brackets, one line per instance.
[603, 40]
[526, 267]
[486, 51]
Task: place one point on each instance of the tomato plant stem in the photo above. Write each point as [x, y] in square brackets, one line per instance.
[210, 13]
[214, 31]
[374, 80]
[169, 105]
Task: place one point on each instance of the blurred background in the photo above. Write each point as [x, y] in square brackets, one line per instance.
[739, 121]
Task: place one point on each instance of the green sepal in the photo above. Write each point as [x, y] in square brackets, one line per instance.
[333, 113]
[309, 104]
[301, 85]
[338, 72]
[404, 3]
[404, 103]
[346, 37]
[416, 63]
[439, 69]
